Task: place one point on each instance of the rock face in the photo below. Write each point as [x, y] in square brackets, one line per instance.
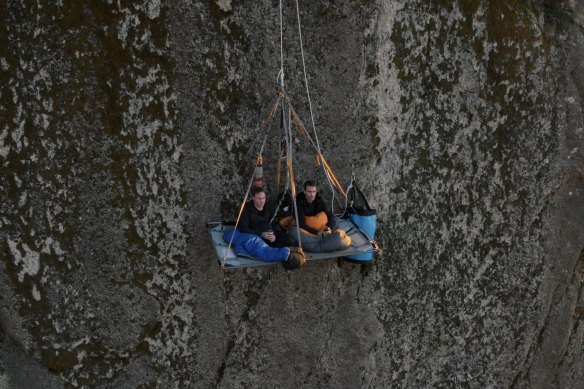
[126, 125]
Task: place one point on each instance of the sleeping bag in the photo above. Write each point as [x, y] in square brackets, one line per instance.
[253, 246]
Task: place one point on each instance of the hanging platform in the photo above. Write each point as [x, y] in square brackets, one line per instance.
[360, 245]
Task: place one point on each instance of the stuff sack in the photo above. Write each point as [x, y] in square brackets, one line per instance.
[363, 216]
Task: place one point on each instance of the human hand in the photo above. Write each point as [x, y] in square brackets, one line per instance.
[269, 236]
[324, 233]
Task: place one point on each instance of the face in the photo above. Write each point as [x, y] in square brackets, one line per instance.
[310, 193]
[259, 200]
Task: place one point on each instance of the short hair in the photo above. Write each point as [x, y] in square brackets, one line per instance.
[257, 189]
[308, 183]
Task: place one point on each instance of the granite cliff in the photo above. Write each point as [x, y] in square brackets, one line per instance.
[125, 126]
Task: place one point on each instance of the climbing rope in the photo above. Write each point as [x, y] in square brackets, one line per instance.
[280, 202]
[317, 143]
[348, 190]
[280, 76]
[331, 178]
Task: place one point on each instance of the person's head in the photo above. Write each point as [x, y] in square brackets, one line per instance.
[258, 196]
[310, 190]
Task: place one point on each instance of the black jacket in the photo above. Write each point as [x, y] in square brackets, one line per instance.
[255, 222]
[312, 209]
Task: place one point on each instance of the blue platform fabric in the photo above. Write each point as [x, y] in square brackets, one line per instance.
[364, 217]
[253, 246]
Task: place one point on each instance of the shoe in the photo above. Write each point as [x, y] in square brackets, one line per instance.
[296, 259]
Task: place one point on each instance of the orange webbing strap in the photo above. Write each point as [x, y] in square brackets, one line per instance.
[331, 174]
[279, 171]
[271, 114]
[273, 111]
[291, 172]
[299, 125]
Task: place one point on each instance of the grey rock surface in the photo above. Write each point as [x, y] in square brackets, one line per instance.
[126, 125]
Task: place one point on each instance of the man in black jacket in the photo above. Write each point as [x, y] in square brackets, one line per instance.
[321, 234]
[311, 204]
[257, 219]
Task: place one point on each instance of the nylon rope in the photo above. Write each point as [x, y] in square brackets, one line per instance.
[308, 95]
[261, 128]
[306, 80]
[280, 202]
[280, 75]
[331, 179]
[347, 191]
[288, 137]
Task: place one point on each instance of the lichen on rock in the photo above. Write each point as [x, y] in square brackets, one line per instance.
[126, 125]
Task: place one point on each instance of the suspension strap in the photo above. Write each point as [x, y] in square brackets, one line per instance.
[280, 76]
[331, 178]
[260, 129]
[288, 137]
[316, 141]
[281, 156]
[299, 125]
[331, 175]
[305, 74]
[250, 183]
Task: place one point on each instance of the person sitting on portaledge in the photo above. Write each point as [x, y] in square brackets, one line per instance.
[257, 219]
[258, 238]
[318, 226]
